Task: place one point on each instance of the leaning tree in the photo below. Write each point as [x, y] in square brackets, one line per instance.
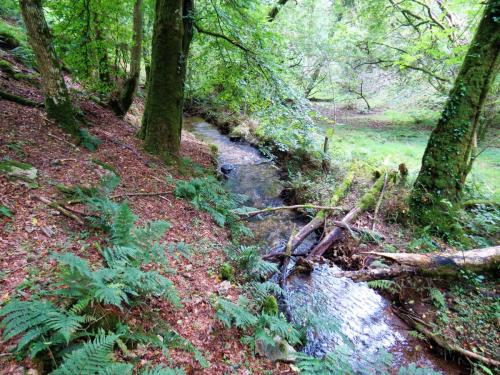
[57, 100]
[172, 34]
[451, 150]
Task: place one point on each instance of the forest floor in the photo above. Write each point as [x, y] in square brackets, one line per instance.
[32, 231]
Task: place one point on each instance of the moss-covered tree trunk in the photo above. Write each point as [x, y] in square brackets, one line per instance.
[172, 33]
[449, 153]
[57, 100]
[123, 100]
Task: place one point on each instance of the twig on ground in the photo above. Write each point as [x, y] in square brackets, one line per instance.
[138, 194]
[61, 209]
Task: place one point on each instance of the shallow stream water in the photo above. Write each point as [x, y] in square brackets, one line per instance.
[365, 325]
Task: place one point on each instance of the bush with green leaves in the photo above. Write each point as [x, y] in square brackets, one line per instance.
[75, 325]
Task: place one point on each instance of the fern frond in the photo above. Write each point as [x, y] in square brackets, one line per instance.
[64, 323]
[93, 357]
[278, 326]
[230, 313]
[117, 369]
[121, 227]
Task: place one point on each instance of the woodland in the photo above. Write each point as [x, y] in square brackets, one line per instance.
[249, 187]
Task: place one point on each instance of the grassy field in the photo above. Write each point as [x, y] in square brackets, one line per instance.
[393, 139]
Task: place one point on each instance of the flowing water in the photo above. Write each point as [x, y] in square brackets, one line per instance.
[361, 319]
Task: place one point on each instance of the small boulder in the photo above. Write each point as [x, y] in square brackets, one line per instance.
[280, 351]
[18, 171]
[226, 168]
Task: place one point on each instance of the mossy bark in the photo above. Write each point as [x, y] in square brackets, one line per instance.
[57, 101]
[162, 121]
[126, 93]
[449, 153]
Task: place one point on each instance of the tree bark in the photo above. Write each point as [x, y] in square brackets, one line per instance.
[275, 10]
[437, 264]
[57, 100]
[448, 153]
[126, 93]
[162, 120]
[474, 260]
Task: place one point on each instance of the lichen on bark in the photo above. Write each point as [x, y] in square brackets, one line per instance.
[449, 154]
[162, 120]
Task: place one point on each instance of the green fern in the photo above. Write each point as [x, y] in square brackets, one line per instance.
[93, 357]
[122, 224]
[89, 141]
[37, 318]
[208, 194]
[388, 285]
[334, 363]
[238, 315]
[438, 299]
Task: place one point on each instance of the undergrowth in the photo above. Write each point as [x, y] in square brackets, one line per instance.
[77, 324]
[207, 194]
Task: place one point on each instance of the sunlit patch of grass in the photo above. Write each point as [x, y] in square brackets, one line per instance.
[396, 144]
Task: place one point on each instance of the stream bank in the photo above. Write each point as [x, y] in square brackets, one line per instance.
[362, 319]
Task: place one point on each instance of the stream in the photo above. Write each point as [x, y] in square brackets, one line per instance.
[364, 325]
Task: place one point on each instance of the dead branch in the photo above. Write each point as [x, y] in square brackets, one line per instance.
[441, 341]
[379, 202]
[61, 209]
[365, 203]
[137, 194]
[272, 209]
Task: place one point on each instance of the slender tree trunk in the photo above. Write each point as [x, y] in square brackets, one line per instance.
[57, 101]
[446, 161]
[102, 53]
[275, 10]
[126, 94]
[172, 34]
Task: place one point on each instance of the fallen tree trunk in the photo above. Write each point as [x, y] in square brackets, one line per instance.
[422, 327]
[377, 273]
[443, 263]
[321, 216]
[367, 201]
[17, 99]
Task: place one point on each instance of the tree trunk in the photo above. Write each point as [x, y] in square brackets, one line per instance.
[448, 153]
[275, 10]
[57, 101]
[126, 93]
[172, 33]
